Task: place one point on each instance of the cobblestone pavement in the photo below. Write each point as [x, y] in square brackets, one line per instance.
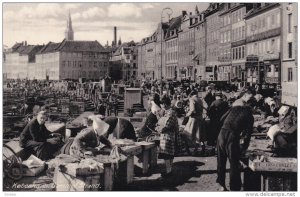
[189, 174]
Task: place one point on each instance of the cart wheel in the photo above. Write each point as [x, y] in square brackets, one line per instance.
[12, 164]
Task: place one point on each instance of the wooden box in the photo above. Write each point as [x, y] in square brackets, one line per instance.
[275, 164]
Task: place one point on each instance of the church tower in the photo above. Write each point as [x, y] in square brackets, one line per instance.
[69, 34]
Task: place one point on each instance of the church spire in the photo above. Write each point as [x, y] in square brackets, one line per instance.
[69, 34]
[197, 10]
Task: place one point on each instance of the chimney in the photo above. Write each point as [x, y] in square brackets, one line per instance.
[183, 13]
[25, 43]
[115, 35]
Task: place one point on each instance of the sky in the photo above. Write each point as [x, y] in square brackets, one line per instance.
[39, 23]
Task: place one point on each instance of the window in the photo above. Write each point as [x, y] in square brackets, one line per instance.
[290, 23]
[233, 53]
[290, 74]
[263, 23]
[243, 51]
[240, 52]
[243, 32]
[272, 44]
[290, 50]
[259, 24]
[276, 67]
[222, 37]
[273, 19]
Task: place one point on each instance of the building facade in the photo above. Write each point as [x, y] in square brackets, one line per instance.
[263, 44]
[212, 41]
[123, 63]
[289, 70]
[71, 60]
[19, 59]
[225, 42]
[171, 55]
[146, 58]
[238, 42]
[186, 47]
[200, 47]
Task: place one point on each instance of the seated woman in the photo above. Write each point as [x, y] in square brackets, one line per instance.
[285, 141]
[99, 129]
[37, 139]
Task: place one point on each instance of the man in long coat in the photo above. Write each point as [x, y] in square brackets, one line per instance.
[216, 110]
[239, 122]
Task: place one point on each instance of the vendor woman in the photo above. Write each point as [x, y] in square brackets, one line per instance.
[38, 140]
[168, 128]
[90, 137]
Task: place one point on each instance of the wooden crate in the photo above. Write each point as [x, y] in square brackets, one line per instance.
[275, 165]
[149, 154]
[279, 181]
[279, 174]
[131, 151]
[78, 179]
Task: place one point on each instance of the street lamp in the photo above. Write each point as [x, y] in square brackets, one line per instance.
[169, 13]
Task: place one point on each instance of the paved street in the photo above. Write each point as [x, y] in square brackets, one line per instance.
[189, 174]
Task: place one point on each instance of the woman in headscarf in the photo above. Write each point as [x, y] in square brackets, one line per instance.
[194, 125]
[152, 118]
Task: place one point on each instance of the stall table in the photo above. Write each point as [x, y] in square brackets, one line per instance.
[269, 173]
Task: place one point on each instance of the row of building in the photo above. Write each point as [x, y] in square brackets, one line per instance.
[236, 42]
[71, 59]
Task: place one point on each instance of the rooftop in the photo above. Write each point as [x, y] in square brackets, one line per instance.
[73, 46]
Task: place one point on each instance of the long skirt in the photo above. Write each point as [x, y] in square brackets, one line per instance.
[43, 150]
[193, 127]
[166, 146]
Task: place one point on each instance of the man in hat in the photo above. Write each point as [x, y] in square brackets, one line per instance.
[216, 110]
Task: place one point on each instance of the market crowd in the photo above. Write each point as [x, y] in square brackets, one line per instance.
[223, 119]
[182, 117]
